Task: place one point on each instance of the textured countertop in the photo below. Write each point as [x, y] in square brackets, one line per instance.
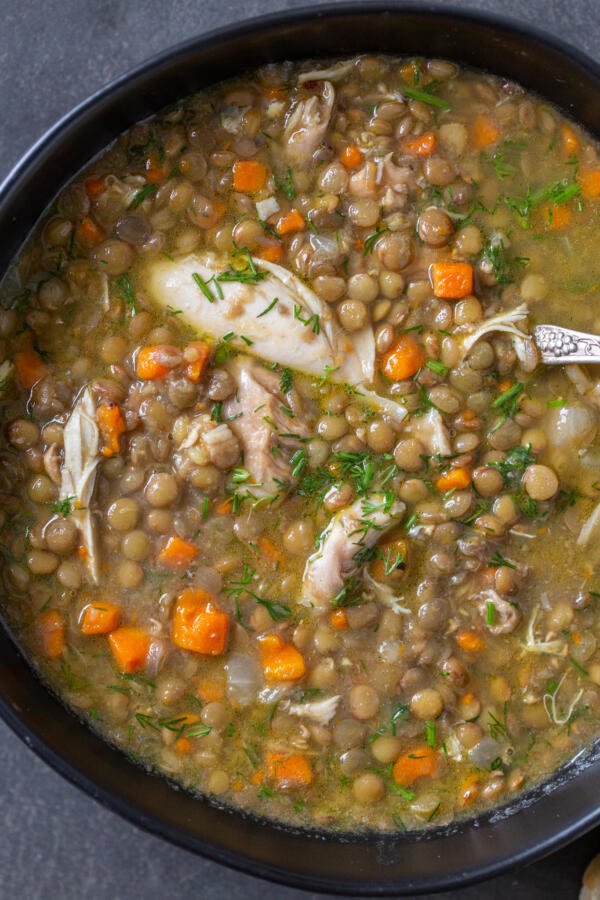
[54, 841]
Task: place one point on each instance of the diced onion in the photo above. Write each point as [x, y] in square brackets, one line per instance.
[266, 208]
[243, 678]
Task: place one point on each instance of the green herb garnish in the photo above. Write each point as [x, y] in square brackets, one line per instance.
[425, 97]
[145, 192]
[127, 294]
[63, 507]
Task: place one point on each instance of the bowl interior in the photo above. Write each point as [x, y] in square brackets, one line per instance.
[361, 864]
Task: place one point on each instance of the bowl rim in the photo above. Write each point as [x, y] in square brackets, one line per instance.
[556, 835]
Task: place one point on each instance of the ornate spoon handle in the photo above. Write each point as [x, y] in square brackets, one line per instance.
[561, 345]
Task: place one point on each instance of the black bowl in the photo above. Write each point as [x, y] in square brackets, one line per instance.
[373, 864]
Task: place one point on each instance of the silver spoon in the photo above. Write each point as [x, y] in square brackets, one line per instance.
[562, 345]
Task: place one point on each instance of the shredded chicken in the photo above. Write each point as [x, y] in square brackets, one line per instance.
[350, 531]
[504, 322]
[335, 73]
[560, 716]
[78, 475]
[385, 595]
[256, 419]
[431, 432]
[506, 616]
[390, 407]
[591, 524]
[579, 378]
[307, 124]
[320, 711]
[533, 645]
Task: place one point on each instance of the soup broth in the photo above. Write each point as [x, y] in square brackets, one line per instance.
[290, 510]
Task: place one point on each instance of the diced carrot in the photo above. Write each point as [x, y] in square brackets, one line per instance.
[199, 625]
[94, 187]
[589, 182]
[359, 244]
[88, 233]
[270, 551]
[421, 144]
[454, 479]
[82, 552]
[555, 216]
[391, 559]
[188, 719]
[148, 365]
[403, 360]
[258, 777]
[210, 691]
[272, 253]
[504, 385]
[281, 661]
[29, 367]
[196, 355]
[50, 630]
[409, 72]
[100, 618]
[469, 789]
[484, 132]
[177, 552]
[452, 280]
[224, 507]
[339, 619]
[289, 771]
[420, 762]
[249, 176]
[155, 173]
[470, 641]
[290, 222]
[183, 745]
[570, 141]
[129, 646]
[112, 426]
[576, 637]
[351, 157]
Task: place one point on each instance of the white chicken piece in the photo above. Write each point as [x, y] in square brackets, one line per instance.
[430, 430]
[504, 322]
[283, 318]
[351, 530]
[506, 615]
[307, 124]
[390, 408]
[256, 418]
[335, 73]
[590, 527]
[386, 596]
[319, 711]
[78, 474]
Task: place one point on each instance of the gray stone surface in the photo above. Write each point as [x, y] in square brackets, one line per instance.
[55, 842]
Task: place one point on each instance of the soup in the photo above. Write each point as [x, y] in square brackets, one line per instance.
[291, 512]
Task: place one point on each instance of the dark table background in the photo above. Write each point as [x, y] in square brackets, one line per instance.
[54, 841]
